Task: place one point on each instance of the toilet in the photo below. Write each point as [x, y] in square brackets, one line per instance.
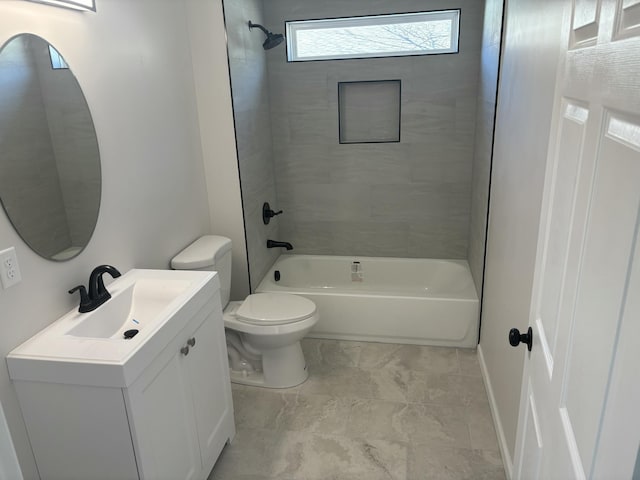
[264, 331]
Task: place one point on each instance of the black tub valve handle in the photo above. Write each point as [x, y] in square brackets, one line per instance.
[267, 213]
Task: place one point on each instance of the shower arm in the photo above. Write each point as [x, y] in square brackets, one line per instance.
[257, 25]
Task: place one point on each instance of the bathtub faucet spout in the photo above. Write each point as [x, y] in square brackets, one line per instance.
[276, 244]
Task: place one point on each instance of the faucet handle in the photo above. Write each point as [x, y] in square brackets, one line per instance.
[85, 301]
[267, 213]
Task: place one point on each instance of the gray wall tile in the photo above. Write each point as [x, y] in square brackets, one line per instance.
[249, 82]
[374, 163]
[379, 198]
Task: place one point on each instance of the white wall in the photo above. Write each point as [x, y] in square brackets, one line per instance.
[525, 98]
[132, 61]
[215, 113]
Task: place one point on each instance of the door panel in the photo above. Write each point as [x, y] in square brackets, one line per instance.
[627, 19]
[566, 168]
[605, 265]
[619, 444]
[529, 466]
[586, 282]
[584, 28]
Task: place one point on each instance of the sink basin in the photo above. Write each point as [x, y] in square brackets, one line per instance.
[137, 306]
[91, 349]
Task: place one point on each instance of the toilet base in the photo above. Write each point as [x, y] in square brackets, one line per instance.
[282, 367]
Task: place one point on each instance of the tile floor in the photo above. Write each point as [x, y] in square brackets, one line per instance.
[368, 411]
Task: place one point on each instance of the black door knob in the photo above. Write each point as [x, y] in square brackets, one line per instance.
[516, 338]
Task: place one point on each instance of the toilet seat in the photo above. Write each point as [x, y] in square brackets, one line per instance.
[275, 309]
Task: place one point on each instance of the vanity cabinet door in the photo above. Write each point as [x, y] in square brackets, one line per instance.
[180, 408]
[208, 373]
[162, 420]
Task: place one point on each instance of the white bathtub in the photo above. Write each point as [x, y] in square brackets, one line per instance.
[397, 300]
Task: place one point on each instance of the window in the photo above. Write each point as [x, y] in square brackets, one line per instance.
[57, 62]
[424, 33]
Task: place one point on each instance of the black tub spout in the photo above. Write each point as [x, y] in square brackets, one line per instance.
[276, 244]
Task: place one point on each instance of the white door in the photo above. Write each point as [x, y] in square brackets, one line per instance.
[580, 392]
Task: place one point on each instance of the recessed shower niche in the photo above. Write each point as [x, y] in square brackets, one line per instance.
[369, 111]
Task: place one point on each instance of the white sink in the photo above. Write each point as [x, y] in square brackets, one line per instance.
[136, 307]
[90, 348]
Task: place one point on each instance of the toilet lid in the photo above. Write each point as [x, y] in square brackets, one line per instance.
[275, 309]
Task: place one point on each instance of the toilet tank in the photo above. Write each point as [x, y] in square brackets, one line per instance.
[209, 253]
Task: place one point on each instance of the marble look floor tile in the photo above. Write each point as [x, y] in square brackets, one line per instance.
[441, 463]
[468, 360]
[436, 425]
[309, 456]
[409, 357]
[376, 419]
[432, 388]
[481, 428]
[256, 407]
[330, 353]
[391, 384]
[246, 457]
[339, 382]
[367, 411]
[468, 389]
[241, 387]
[443, 389]
[219, 476]
[319, 414]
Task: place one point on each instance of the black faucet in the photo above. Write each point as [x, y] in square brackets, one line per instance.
[98, 293]
[275, 244]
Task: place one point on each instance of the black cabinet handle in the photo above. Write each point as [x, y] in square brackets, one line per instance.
[516, 338]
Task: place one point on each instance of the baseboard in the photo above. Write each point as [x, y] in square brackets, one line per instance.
[502, 441]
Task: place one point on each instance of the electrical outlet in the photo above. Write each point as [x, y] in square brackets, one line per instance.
[9, 268]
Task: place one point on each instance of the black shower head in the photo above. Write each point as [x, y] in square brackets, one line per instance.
[273, 39]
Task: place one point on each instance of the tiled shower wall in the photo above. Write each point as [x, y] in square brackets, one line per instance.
[250, 91]
[406, 199]
[484, 137]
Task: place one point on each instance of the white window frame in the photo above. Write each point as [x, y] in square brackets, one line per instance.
[293, 27]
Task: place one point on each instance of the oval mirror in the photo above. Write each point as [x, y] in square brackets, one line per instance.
[50, 179]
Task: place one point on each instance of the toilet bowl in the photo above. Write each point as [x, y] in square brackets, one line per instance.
[263, 332]
[269, 326]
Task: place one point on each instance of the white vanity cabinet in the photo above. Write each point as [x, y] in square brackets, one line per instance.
[164, 414]
[179, 413]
